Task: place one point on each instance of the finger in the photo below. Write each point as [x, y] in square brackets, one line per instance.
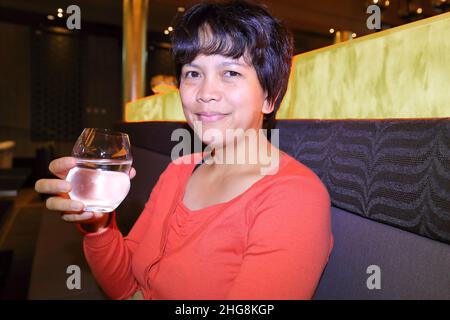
[84, 217]
[132, 173]
[61, 204]
[52, 186]
[61, 166]
[78, 217]
[99, 215]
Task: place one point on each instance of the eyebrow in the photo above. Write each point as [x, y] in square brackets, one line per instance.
[192, 65]
[223, 64]
[231, 63]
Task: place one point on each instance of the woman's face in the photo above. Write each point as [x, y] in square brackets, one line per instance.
[221, 93]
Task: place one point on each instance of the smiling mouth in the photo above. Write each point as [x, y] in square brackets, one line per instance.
[210, 116]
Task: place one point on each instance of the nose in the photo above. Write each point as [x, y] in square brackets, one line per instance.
[209, 91]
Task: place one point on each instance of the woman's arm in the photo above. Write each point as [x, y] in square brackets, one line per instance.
[109, 254]
[289, 242]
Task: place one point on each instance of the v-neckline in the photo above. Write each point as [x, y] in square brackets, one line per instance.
[282, 163]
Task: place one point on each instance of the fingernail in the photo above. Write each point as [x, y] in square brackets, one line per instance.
[76, 206]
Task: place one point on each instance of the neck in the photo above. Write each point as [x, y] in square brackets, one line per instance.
[243, 153]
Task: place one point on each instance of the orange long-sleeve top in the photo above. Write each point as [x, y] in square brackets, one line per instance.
[270, 242]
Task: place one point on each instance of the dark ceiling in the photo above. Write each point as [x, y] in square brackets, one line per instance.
[316, 16]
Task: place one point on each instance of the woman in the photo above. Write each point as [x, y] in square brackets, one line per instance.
[218, 228]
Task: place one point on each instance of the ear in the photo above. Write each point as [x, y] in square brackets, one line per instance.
[267, 106]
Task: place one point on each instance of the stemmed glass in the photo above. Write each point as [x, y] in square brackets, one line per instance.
[101, 177]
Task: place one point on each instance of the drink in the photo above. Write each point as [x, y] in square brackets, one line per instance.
[101, 184]
[100, 179]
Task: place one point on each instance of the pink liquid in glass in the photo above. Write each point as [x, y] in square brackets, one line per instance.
[100, 184]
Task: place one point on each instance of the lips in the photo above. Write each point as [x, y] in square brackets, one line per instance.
[210, 116]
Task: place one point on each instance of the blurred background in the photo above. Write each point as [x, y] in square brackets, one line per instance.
[54, 82]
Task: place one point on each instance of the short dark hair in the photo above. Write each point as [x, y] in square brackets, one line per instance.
[238, 29]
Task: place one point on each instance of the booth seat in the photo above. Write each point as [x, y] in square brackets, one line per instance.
[389, 182]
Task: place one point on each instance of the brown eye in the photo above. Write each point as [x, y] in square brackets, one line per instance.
[191, 74]
[232, 74]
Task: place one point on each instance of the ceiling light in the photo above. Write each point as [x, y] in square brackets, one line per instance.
[387, 3]
[166, 31]
[170, 29]
[180, 9]
[331, 30]
[419, 10]
[60, 10]
[60, 15]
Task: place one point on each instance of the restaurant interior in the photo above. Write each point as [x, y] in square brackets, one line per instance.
[367, 109]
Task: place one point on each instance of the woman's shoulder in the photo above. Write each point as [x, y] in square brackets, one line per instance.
[292, 169]
[294, 178]
[293, 194]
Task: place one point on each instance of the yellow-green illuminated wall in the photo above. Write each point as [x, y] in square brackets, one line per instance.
[399, 73]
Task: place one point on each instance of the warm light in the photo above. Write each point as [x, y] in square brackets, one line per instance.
[180, 9]
[50, 17]
[331, 30]
[375, 1]
[353, 35]
[60, 15]
[170, 29]
[60, 10]
[387, 3]
[166, 31]
[419, 10]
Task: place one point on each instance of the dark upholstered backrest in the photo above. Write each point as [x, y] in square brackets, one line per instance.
[387, 176]
[389, 183]
[395, 172]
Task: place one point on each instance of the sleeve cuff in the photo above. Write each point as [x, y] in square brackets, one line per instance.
[109, 226]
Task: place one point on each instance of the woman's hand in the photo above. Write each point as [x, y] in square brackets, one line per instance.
[72, 209]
